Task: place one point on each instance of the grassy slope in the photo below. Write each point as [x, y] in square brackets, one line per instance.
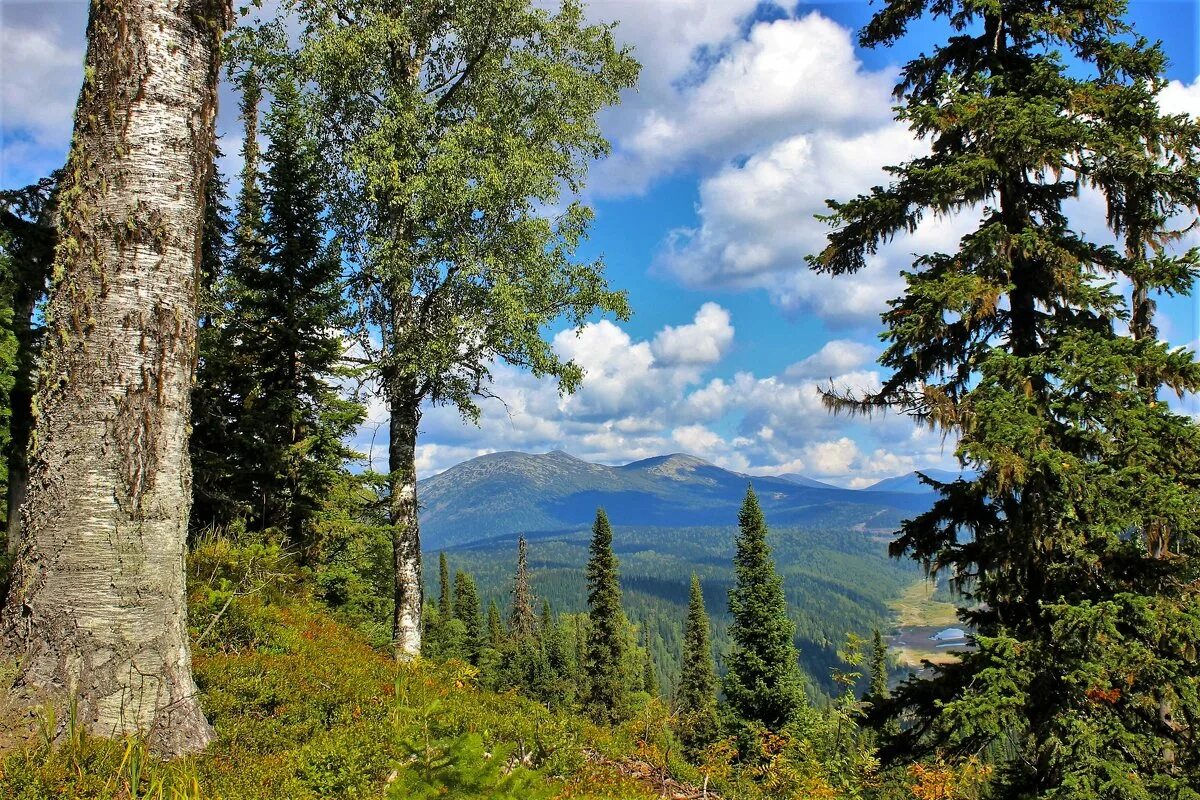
[305, 708]
[919, 608]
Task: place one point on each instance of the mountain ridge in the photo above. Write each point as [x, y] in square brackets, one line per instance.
[515, 492]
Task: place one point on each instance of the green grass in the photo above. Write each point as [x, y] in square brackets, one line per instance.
[920, 606]
[305, 708]
[917, 607]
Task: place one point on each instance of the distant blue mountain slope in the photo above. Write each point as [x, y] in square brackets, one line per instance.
[910, 483]
[506, 493]
[804, 480]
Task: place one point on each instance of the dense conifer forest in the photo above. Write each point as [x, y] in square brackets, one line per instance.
[209, 593]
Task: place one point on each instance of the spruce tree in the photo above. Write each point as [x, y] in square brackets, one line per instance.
[466, 610]
[222, 445]
[296, 308]
[762, 682]
[879, 668]
[579, 648]
[649, 674]
[1076, 542]
[557, 687]
[274, 441]
[877, 691]
[214, 410]
[214, 242]
[608, 691]
[444, 607]
[495, 627]
[437, 633]
[696, 699]
[557, 650]
[521, 621]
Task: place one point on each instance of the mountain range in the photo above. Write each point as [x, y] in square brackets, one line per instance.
[502, 494]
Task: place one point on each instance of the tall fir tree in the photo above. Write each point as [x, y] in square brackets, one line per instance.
[579, 644]
[212, 445]
[437, 625]
[495, 627]
[557, 687]
[297, 310]
[649, 673]
[214, 242]
[222, 444]
[696, 699]
[608, 687]
[466, 611]
[444, 602]
[558, 655]
[521, 620]
[878, 689]
[278, 352]
[762, 681]
[1076, 540]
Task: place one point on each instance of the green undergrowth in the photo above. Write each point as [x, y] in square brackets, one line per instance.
[304, 707]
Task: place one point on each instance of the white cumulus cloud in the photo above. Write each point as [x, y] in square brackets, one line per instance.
[704, 341]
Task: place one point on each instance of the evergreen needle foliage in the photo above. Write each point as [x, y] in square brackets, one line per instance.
[879, 667]
[495, 627]
[762, 680]
[696, 700]
[444, 609]
[27, 240]
[649, 673]
[608, 687]
[521, 621]
[1077, 541]
[270, 423]
[466, 611]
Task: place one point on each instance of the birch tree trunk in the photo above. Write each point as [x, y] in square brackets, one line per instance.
[405, 410]
[96, 612]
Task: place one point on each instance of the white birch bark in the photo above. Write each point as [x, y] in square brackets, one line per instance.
[96, 612]
[406, 537]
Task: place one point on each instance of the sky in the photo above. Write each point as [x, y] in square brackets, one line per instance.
[747, 117]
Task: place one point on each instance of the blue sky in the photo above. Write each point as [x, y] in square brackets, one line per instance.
[747, 117]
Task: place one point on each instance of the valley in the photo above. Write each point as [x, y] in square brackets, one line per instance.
[672, 516]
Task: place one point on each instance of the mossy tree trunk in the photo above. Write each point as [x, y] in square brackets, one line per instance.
[96, 611]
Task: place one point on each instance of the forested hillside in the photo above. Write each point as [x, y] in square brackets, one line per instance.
[398, 241]
[836, 582]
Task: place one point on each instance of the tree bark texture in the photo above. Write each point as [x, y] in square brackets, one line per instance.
[405, 410]
[96, 612]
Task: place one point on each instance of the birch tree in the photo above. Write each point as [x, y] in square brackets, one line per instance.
[95, 613]
[450, 129]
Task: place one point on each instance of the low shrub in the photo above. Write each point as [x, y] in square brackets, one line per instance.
[305, 708]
